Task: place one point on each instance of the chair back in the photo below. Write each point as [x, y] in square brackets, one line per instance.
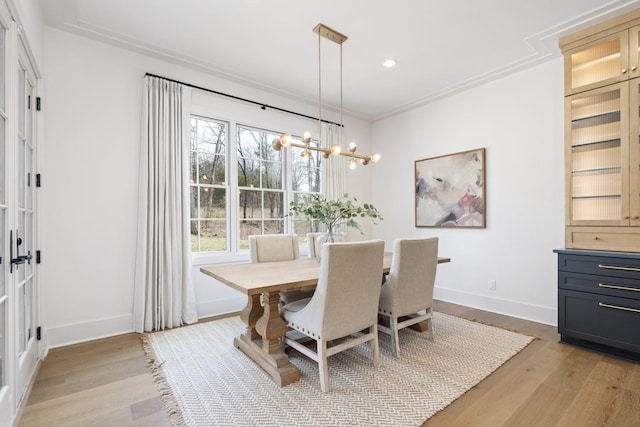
[273, 247]
[348, 290]
[311, 243]
[412, 275]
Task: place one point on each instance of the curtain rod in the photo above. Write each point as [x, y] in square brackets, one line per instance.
[262, 105]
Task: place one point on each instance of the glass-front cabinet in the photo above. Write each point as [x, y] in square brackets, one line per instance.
[602, 62]
[602, 135]
[597, 152]
[634, 152]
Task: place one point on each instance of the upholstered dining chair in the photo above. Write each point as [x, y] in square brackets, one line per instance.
[278, 247]
[406, 297]
[343, 306]
[311, 243]
[273, 247]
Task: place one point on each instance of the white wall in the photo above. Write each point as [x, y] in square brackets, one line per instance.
[92, 101]
[519, 119]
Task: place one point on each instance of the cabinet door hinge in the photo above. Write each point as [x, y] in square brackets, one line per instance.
[38, 257]
[39, 333]
[37, 180]
[37, 103]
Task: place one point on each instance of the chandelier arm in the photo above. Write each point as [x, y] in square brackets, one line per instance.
[355, 156]
[310, 147]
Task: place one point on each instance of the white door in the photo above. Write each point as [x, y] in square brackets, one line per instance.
[22, 236]
[7, 366]
[19, 307]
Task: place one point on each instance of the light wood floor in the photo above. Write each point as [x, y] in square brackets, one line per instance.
[107, 383]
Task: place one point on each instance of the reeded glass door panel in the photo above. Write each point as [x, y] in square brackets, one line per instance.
[634, 52]
[600, 62]
[599, 177]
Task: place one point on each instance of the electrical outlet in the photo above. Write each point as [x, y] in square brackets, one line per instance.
[492, 285]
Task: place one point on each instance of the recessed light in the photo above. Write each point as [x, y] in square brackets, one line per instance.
[389, 63]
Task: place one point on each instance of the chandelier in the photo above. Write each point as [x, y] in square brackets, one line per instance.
[286, 140]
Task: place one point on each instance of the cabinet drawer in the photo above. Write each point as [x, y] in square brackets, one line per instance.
[618, 239]
[600, 319]
[604, 285]
[600, 265]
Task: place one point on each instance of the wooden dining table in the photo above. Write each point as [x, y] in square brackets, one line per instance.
[262, 340]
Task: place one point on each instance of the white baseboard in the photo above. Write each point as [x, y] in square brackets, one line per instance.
[546, 315]
[220, 306]
[63, 335]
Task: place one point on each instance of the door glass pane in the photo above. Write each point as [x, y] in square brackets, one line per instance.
[3, 289]
[21, 100]
[28, 243]
[2, 160]
[3, 354]
[29, 177]
[19, 249]
[21, 320]
[24, 316]
[596, 157]
[20, 174]
[29, 130]
[596, 63]
[3, 61]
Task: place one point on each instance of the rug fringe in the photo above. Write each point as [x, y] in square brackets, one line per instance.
[171, 405]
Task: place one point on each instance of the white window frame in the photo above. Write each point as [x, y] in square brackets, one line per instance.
[234, 253]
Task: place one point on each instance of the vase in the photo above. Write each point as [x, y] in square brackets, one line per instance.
[328, 237]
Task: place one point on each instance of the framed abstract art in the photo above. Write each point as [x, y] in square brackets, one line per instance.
[450, 190]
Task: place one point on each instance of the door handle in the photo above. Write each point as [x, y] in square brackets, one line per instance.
[19, 259]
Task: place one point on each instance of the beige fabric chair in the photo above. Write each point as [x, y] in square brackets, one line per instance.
[311, 243]
[408, 289]
[273, 247]
[344, 304]
[278, 247]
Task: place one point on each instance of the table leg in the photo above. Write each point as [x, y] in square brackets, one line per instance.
[267, 350]
[250, 315]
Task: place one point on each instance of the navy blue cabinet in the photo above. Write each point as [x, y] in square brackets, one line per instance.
[599, 300]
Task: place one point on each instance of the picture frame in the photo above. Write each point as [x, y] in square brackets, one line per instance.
[450, 190]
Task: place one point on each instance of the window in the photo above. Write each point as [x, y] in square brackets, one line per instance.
[305, 180]
[237, 193]
[260, 184]
[209, 189]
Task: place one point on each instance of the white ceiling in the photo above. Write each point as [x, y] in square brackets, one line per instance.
[441, 47]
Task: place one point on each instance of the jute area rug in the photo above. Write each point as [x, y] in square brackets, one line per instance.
[206, 381]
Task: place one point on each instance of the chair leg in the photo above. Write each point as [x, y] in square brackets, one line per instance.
[323, 367]
[430, 325]
[375, 346]
[395, 339]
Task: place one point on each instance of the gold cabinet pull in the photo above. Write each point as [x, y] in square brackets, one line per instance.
[613, 267]
[624, 71]
[621, 288]
[634, 68]
[617, 307]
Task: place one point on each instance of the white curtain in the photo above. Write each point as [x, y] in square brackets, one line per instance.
[334, 169]
[164, 294]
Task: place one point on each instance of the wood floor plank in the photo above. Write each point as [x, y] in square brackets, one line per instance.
[108, 404]
[605, 384]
